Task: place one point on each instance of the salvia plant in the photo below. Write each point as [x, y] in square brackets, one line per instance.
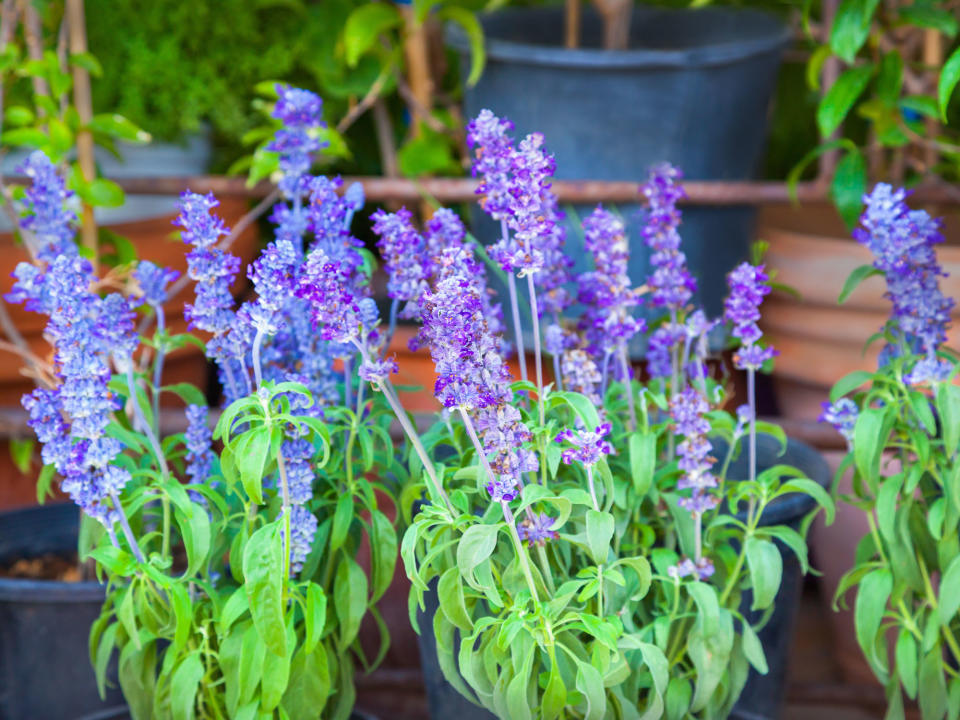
[230, 551]
[590, 553]
[902, 424]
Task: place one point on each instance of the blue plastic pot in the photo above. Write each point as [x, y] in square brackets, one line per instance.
[45, 669]
[694, 90]
[763, 695]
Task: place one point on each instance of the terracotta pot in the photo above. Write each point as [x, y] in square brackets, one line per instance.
[820, 341]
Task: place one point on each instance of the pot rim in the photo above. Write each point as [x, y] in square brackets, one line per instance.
[770, 39]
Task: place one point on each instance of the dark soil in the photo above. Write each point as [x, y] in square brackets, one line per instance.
[46, 567]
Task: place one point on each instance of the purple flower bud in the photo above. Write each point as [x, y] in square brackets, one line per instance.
[537, 530]
[153, 281]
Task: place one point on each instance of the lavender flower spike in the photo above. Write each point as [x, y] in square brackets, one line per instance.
[488, 137]
[842, 415]
[903, 244]
[300, 112]
[49, 217]
[749, 284]
[671, 285]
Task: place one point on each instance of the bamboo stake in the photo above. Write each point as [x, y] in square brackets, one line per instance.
[572, 25]
[82, 100]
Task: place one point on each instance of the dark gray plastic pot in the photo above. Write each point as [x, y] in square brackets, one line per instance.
[694, 90]
[763, 695]
[45, 669]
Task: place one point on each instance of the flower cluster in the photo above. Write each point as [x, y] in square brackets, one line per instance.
[300, 112]
[489, 138]
[748, 286]
[688, 409]
[842, 415]
[589, 446]
[606, 292]
[537, 529]
[671, 285]
[404, 255]
[903, 244]
[48, 217]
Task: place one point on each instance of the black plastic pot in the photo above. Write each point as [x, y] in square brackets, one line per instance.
[763, 694]
[694, 90]
[45, 670]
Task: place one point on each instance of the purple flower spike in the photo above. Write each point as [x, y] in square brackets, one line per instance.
[671, 285]
[153, 281]
[198, 439]
[488, 137]
[589, 446]
[702, 569]
[842, 415]
[532, 217]
[688, 409]
[749, 284]
[537, 530]
[404, 254]
[300, 112]
[903, 244]
[606, 292]
[581, 374]
[48, 216]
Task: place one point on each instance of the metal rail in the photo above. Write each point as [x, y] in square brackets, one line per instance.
[454, 190]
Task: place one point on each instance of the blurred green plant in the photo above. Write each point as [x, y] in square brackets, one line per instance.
[887, 111]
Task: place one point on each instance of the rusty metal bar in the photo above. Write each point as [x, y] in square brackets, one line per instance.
[454, 190]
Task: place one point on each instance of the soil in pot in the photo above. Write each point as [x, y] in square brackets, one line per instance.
[693, 89]
[45, 669]
[763, 695]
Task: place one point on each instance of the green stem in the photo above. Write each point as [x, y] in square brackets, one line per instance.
[537, 354]
[600, 591]
[593, 490]
[545, 568]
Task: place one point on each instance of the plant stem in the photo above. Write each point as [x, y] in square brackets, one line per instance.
[537, 354]
[517, 328]
[521, 553]
[545, 568]
[557, 377]
[697, 536]
[392, 327]
[390, 395]
[257, 370]
[593, 490]
[348, 381]
[600, 591]
[628, 386]
[674, 358]
[158, 363]
[147, 428]
[752, 402]
[125, 526]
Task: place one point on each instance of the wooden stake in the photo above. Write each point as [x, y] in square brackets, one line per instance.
[572, 25]
[77, 30]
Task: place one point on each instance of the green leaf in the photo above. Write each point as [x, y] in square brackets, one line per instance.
[814, 490]
[44, 483]
[383, 545]
[554, 696]
[101, 192]
[104, 651]
[188, 392]
[127, 616]
[850, 28]
[349, 599]
[276, 675]
[27, 137]
[315, 616]
[849, 382]
[753, 649]
[950, 592]
[590, 683]
[88, 62]
[600, 527]
[184, 686]
[838, 101]
[906, 656]
[871, 603]
[766, 568]
[309, 685]
[582, 405]
[643, 459]
[426, 153]
[117, 126]
[656, 662]
[475, 546]
[868, 441]
[948, 407]
[183, 614]
[928, 16]
[949, 76]
[793, 540]
[452, 602]
[364, 26]
[342, 518]
[251, 451]
[263, 566]
[21, 452]
[933, 688]
[18, 115]
[708, 606]
[849, 185]
[471, 26]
